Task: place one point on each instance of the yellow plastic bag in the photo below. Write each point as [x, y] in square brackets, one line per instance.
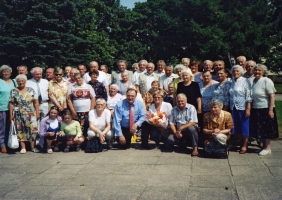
[133, 138]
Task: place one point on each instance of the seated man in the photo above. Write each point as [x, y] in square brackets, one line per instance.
[217, 123]
[129, 114]
[183, 123]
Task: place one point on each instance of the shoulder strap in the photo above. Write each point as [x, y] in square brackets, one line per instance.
[14, 82]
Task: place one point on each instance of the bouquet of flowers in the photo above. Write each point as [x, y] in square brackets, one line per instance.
[158, 119]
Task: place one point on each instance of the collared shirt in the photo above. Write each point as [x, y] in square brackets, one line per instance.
[109, 78]
[159, 73]
[240, 93]
[221, 92]
[101, 78]
[116, 76]
[179, 118]
[136, 75]
[149, 79]
[59, 90]
[250, 78]
[207, 93]
[43, 86]
[166, 80]
[121, 115]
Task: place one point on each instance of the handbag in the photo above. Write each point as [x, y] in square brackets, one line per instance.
[94, 145]
[215, 149]
[13, 141]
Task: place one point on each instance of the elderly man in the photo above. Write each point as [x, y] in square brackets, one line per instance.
[143, 84]
[116, 75]
[241, 60]
[183, 123]
[142, 69]
[40, 86]
[167, 78]
[217, 65]
[50, 74]
[105, 69]
[82, 69]
[160, 67]
[22, 69]
[128, 116]
[208, 65]
[102, 75]
[185, 62]
[249, 71]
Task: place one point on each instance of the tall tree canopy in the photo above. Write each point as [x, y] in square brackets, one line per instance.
[69, 32]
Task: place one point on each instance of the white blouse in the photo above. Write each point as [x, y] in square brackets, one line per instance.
[165, 107]
[112, 101]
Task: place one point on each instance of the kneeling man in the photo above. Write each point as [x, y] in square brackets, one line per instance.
[129, 114]
[183, 123]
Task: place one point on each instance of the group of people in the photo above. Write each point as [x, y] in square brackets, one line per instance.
[73, 106]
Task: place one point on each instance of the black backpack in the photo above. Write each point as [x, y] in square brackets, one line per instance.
[216, 150]
[94, 145]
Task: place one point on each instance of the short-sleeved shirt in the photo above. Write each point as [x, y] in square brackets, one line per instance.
[179, 118]
[103, 78]
[165, 107]
[59, 90]
[260, 92]
[100, 122]
[5, 90]
[221, 92]
[24, 101]
[207, 93]
[81, 96]
[165, 81]
[191, 91]
[112, 101]
[72, 129]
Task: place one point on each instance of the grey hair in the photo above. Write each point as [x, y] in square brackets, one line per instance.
[239, 67]
[115, 86]
[187, 71]
[141, 61]
[181, 95]
[179, 66]
[244, 58]
[78, 74]
[35, 68]
[100, 100]
[170, 66]
[58, 70]
[124, 72]
[263, 67]
[188, 59]
[135, 64]
[21, 76]
[215, 102]
[74, 69]
[4, 67]
[250, 61]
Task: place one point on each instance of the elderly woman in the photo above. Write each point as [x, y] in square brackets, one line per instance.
[263, 118]
[221, 91]
[81, 99]
[24, 111]
[113, 98]
[217, 123]
[124, 83]
[100, 123]
[240, 105]
[99, 88]
[135, 67]
[195, 67]
[170, 96]
[191, 89]
[155, 132]
[207, 87]
[50, 128]
[6, 85]
[177, 70]
[58, 89]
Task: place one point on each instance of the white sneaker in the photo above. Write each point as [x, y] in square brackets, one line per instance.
[35, 150]
[265, 152]
[23, 151]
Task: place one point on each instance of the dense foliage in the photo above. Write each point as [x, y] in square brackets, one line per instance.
[59, 33]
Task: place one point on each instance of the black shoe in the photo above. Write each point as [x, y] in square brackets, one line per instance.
[146, 147]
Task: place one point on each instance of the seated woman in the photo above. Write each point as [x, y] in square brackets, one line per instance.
[100, 123]
[155, 132]
[70, 132]
[217, 123]
[50, 128]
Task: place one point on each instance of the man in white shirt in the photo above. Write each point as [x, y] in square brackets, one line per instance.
[102, 75]
[116, 75]
[167, 78]
[40, 86]
[160, 67]
[142, 69]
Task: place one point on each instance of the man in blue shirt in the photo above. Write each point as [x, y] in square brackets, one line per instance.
[122, 126]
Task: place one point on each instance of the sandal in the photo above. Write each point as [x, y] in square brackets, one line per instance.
[49, 151]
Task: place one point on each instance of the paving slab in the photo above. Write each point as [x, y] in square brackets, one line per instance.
[4, 189]
[67, 192]
[15, 179]
[211, 193]
[169, 193]
[211, 181]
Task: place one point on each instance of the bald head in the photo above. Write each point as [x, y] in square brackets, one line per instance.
[93, 65]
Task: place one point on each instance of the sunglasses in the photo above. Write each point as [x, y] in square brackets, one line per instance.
[58, 74]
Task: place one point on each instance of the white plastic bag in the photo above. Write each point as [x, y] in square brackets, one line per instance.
[13, 141]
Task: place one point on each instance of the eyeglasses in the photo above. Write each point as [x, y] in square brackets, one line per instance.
[58, 74]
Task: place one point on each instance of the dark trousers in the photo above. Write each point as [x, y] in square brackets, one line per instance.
[126, 133]
[148, 129]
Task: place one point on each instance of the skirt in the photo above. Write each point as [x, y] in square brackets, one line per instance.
[241, 124]
[263, 127]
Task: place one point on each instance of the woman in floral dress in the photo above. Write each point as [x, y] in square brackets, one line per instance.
[24, 111]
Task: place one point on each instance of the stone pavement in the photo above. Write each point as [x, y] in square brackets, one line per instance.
[141, 174]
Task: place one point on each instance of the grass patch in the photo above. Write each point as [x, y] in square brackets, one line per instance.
[278, 108]
[278, 87]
